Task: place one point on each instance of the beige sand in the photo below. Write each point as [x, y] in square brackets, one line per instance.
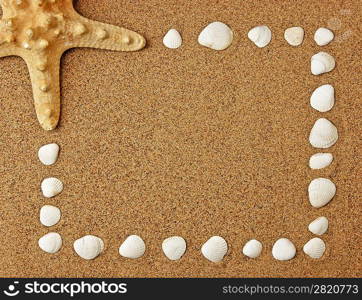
[189, 142]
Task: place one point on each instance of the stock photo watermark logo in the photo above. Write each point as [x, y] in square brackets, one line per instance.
[70, 289]
[336, 24]
[12, 290]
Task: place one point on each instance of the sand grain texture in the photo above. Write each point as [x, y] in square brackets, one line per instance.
[190, 142]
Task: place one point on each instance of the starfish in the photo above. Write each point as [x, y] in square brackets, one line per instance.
[40, 31]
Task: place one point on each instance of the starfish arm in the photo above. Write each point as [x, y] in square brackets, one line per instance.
[93, 34]
[7, 51]
[7, 46]
[46, 88]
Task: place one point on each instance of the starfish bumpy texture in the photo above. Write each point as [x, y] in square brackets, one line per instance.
[39, 31]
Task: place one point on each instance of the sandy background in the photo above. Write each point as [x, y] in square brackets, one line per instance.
[189, 142]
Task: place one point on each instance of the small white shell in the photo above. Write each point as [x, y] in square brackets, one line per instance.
[283, 249]
[322, 98]
[88, 246]
[48, 154]
[319, 226]
[216, 35]
[260, 35]
[49, 215]
[315, 248]
[323, 134]
[133, 247]
[51, 242]
[320, 160]
[323, 36]
[322, 62]
[252, 248]
[174, 247]
[321, 191]
[172, 39]
[51, 187]
[294, 35]
[215, 249]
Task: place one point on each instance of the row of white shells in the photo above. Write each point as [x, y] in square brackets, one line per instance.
[322, 135]
[219, 36]
[322, 99]
[214, 249]
[50, 215]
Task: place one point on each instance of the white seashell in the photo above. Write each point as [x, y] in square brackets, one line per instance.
[51, 187]
[51, 242]
[260, 35]
[283, 249]
[252, 248]
[49, 215]
[322, 62]
[321, 191]
[215, 249]
[132, 247]
[323, 36]
[322, 98]
[216, 35]
[294, 35]
[319, 226]
[174, 247]
[172, 39]
[88, 246]
[323, 134]
[315, 248]
[48, 154]
[320, 160]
